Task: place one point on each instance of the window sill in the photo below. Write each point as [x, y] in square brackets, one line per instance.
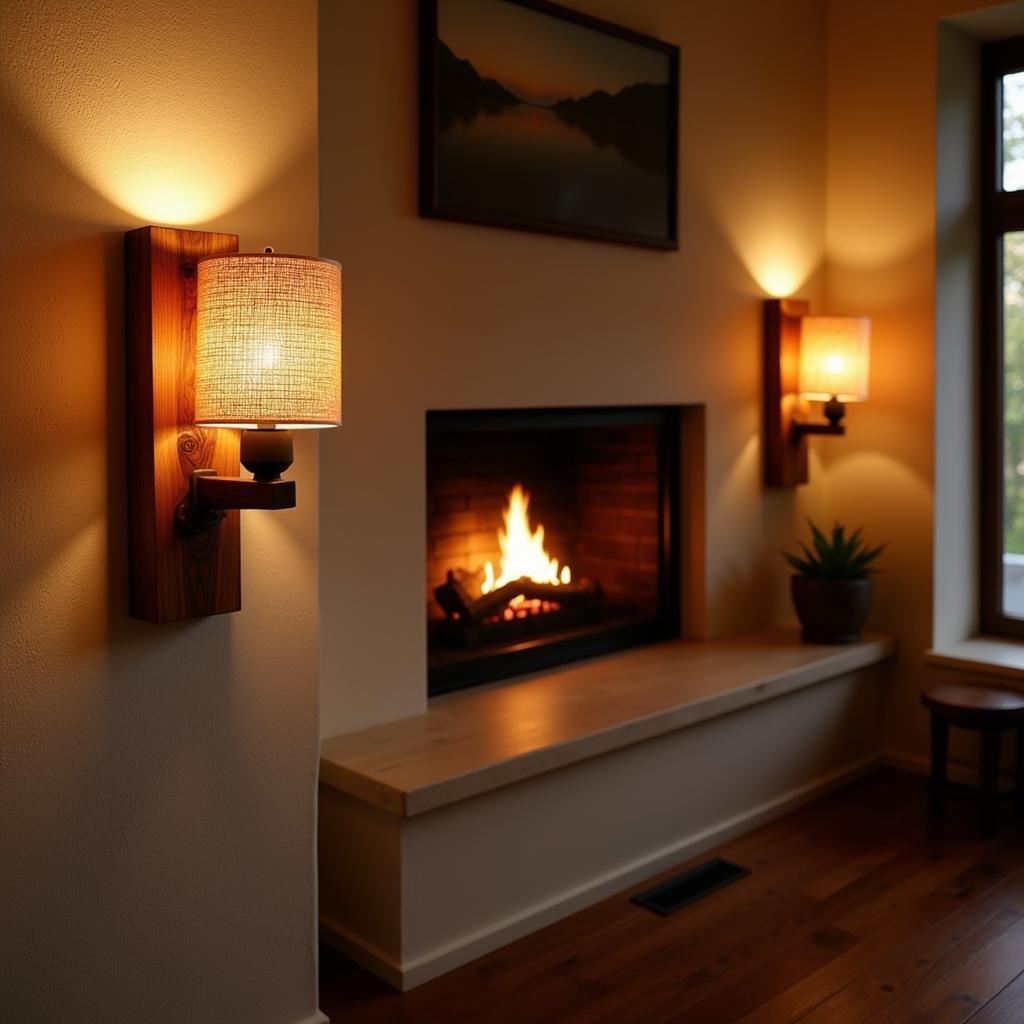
[986, 655]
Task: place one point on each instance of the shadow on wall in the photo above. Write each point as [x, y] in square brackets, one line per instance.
[740, 573]
[126, 739]
[74, 243]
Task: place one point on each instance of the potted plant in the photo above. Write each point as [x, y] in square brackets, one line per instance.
[831, 586]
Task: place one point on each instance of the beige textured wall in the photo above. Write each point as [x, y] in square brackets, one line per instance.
[156, 783]
[881, 261]
[445, 315]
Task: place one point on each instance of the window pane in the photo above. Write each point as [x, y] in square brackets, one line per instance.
[1013, 131]
[1013, 424]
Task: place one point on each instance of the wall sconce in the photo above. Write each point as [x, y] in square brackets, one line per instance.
[217, 339]
[816, 358]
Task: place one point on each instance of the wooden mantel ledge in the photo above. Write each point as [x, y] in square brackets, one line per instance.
[475, 741]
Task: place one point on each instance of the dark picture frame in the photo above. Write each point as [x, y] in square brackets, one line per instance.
[597, 160]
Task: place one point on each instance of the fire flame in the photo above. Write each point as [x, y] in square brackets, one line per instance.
[522, 549]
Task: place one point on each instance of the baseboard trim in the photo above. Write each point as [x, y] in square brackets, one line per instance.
[364, 953]
[470, 947]
[922, 766]
[962, 774]
[317, 1018]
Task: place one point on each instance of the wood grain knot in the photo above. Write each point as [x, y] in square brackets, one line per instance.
[188, 443]
[190, 448]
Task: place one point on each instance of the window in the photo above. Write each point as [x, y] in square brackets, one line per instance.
[1002, 371]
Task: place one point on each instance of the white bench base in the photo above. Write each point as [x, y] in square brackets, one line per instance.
[412, 895]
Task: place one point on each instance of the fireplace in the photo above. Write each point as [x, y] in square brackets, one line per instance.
[552, 535]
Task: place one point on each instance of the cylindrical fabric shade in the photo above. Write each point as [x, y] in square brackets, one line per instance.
[268, 347]
[834, 357]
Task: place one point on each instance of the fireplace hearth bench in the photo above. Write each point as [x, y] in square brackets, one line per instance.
[501, 809]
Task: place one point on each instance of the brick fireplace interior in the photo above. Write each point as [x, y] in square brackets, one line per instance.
[552, 535]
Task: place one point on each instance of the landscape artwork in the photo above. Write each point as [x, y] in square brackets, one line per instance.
[540, 118]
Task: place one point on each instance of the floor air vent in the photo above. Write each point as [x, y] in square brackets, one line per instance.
[689, 887]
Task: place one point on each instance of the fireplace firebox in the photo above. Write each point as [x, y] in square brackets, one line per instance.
[552, 536]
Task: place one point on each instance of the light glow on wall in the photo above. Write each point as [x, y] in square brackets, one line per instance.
[178, 123]
[779, 264]
[778, 278]
[770, 230]
[153, 190]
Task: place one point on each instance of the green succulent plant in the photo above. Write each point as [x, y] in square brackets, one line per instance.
[835, 558]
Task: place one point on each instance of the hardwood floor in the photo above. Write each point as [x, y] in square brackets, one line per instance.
[856, 910]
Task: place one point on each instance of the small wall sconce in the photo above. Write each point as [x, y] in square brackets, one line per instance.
[816, 358]
[217, 339]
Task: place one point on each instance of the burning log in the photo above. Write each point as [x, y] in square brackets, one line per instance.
[523, 557]
[455, 598]
[454, 594]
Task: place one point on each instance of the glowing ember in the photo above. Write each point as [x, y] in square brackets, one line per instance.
[522, 550]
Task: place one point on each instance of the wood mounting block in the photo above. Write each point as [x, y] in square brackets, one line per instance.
[785, 450]
[173, 575]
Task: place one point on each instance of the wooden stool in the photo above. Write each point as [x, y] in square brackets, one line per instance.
[989, 710]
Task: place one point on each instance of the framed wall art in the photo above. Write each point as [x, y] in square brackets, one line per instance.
[537, 117]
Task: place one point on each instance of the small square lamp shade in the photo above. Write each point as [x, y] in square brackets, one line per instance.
[834, 357]
[268, 341]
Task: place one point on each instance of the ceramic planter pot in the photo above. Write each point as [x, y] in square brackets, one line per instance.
[831, 611]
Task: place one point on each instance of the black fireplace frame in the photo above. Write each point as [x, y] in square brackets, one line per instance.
[539, 653]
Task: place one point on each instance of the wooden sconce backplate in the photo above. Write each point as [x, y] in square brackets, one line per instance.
[173, 575]
[785, 455]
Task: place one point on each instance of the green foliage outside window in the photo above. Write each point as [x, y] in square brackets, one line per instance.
[1013, 320]
[1013, 446]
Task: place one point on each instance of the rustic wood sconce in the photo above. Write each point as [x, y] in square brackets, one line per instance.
[816, 358]
[217, 339]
